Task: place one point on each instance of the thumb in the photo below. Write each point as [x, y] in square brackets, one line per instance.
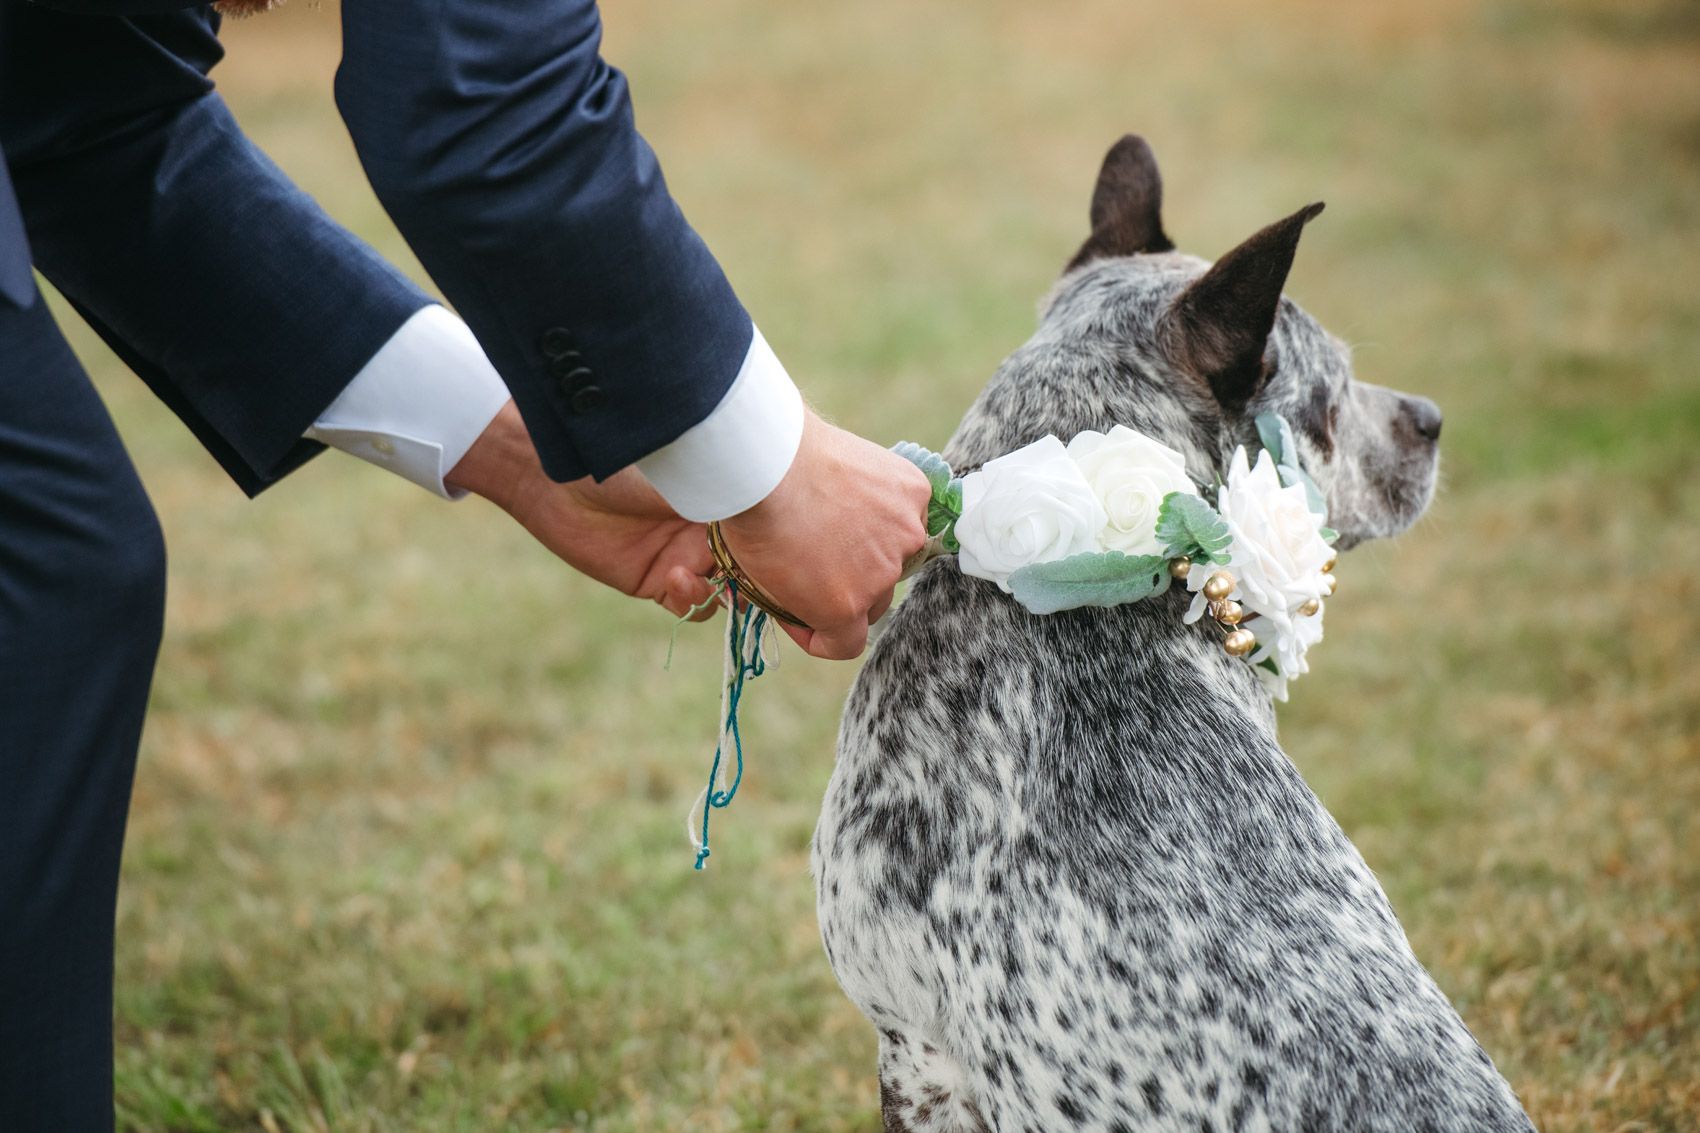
[684, 591]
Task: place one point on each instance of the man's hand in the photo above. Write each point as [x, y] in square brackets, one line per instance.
[619, 532]
[830, 542]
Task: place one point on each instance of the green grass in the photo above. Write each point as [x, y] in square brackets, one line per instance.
[407, 847]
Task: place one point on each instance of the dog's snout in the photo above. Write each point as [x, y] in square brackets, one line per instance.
[1424, 416]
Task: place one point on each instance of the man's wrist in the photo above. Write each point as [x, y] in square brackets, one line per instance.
[419, 403]
[740, 453]
[500, 462]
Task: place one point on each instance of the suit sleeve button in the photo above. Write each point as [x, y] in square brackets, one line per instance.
[567, 363]
[556, 341]
[587, 398]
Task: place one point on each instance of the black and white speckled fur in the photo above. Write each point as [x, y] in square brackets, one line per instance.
[1063, 864]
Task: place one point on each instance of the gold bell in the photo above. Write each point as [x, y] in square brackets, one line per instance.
[1310, 608]
[1239, 643]
[1179, 567]
[1229, 613]
[1331, 583]
[1329, 565]
[1218, 586]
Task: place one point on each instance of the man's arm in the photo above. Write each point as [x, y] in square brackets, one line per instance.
[504, 147]
[422, 400]
[243, 306]
[249, 311]
[419, 405]
[506, 152]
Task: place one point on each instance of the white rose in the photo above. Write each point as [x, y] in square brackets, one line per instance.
[1277, 556]
[1031, 506]
[1131, 474]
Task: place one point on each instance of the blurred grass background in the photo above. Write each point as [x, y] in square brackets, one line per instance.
[406, 851]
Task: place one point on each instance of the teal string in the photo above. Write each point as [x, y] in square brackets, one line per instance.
[747, 664]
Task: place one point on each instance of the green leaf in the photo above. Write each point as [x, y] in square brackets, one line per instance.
[1096, 578]
[1329, 535]
[937, 469]
[1277, 438]
[1187, 525]
[944, 509]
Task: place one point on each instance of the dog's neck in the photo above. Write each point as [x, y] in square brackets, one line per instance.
[1139, 658]
[1184, 665]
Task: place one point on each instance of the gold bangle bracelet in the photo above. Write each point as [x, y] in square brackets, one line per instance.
[747, 587]
[730, 570]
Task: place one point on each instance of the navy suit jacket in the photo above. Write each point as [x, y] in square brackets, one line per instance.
[496, 137]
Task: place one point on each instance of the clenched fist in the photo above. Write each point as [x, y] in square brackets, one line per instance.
[830, 542]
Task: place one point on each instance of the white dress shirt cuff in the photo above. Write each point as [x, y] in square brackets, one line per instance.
[731, 460]
[418, 403]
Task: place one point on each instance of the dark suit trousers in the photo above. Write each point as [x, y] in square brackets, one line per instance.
[82, 595]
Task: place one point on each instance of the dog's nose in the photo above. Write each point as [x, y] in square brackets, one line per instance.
[1424, 415]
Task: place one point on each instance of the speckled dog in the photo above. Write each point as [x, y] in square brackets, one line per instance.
[1063, 864]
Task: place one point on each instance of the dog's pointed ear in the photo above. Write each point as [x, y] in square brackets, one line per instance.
[1127, 205]
[1218, 328]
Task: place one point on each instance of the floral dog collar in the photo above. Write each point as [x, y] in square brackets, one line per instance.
[1112, 518]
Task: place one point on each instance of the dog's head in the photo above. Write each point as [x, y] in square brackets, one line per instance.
[1191, 353]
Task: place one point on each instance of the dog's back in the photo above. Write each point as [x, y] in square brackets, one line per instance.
[1063, 865]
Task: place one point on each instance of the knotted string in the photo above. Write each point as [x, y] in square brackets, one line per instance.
[746, 659]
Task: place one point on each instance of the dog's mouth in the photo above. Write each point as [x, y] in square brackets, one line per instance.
[1409, 493]
[1390, 497]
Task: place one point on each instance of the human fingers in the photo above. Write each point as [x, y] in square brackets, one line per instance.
[686, 594]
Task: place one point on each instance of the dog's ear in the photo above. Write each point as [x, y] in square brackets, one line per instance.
[1127, 205]
[1218, 328]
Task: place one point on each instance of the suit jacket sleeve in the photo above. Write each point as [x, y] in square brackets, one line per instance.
[504, 148]
[224, 286]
